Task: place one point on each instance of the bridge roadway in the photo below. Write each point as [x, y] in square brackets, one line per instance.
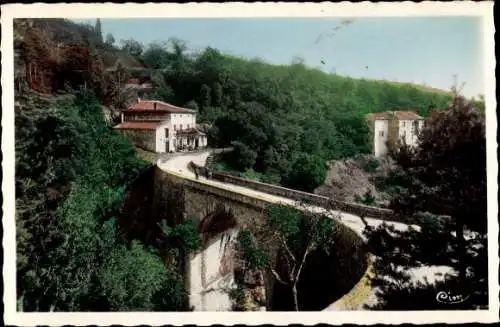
[179, 165]
[431, 274]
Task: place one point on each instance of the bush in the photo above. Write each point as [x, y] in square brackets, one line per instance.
[237, 295]
[367, 199]
[370, 165]
[243, 157]
[271, 178]
[252, 174]
[139, 271]
[393, 183]
[219, 165]
[250, 253]
[308, 172]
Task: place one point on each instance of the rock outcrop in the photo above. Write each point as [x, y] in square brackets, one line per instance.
[347, 180]
[253, 293]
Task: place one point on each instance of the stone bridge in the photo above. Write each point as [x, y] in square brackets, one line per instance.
[180, 195]
[219, 214]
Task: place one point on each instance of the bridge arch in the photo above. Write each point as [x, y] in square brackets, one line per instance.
[219, 215]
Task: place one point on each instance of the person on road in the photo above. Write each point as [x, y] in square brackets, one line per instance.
[196, 174]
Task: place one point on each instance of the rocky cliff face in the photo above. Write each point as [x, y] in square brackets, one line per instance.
[347, 180]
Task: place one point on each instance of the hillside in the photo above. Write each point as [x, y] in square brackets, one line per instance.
[72, 178]
[56, 55]
[284, 121]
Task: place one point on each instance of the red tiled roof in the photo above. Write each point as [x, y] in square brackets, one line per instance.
[157, 106]
[138, 125]
[378, 116]
[400, 115]
[406, 115]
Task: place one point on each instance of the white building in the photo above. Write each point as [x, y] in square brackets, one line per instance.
[158, 126]
[392, 127]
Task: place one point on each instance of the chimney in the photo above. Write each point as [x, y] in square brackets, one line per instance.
[138, 99]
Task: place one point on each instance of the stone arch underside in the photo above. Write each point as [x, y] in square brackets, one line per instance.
[212, 268]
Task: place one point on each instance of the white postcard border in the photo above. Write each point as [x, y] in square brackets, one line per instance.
[325, 9]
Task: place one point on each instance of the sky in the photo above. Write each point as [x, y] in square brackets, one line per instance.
[422, 50]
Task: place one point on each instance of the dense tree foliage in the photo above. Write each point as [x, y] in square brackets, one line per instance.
[71, 174]
[432, 245]
[278, 117]
[65, 31]
[132, 47]
[446, 175]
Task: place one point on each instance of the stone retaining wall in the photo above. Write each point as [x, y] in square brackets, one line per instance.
[144, 139]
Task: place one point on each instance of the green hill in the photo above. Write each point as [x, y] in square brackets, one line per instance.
[72, 179]
[285, 121]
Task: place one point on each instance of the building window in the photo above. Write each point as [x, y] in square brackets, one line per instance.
[381, 133]
[415, 126]
[175, 127]
[181, 127]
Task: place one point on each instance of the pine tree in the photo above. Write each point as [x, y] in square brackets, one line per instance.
[98, 29]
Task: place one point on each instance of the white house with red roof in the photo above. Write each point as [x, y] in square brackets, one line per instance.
[139, 83]
[158, 126]
[391, 127]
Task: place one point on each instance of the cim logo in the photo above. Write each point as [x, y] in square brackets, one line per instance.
[450, 298]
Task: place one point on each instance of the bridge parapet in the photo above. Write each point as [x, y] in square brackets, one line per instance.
[318, 200]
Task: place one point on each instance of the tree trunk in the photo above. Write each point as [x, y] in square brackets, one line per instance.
[363, 219]
[295, 298]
